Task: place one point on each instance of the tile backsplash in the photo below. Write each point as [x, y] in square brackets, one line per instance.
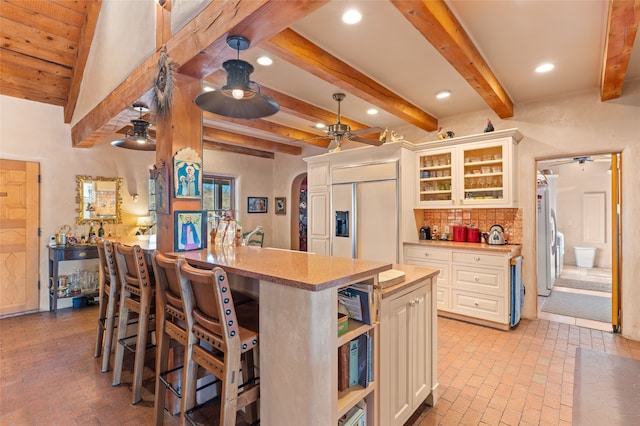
[510, 219]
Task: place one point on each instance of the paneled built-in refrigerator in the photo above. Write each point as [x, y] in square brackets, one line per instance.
[365, 213]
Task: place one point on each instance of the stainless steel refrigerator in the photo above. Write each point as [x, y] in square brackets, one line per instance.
[365, 213]
[547, 230]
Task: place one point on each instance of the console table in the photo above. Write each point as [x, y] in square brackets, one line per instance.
[60, 254]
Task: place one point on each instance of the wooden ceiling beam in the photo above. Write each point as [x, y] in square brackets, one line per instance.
[84, 45]
[622, 26]
[292, 47]
[435, 21]
[269, 127]
[259, 25]
[217, 146]
[209, 27]
[219, 135]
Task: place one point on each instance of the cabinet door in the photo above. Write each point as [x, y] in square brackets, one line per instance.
[420, 308]
[318, 176]
[436, 180]
[318, 216]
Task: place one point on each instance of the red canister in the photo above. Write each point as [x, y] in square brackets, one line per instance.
[460, 233]
[473, 235]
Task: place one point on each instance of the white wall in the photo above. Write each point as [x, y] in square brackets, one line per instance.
[566, 127]
[32, 131]
[573, 181]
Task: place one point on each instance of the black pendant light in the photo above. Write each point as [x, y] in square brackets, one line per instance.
[237, 99]
[139, 138]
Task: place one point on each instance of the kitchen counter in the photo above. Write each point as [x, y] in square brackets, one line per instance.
[511, 249]
[298, 269]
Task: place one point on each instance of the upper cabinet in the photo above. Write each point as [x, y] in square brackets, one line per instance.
[474, 171]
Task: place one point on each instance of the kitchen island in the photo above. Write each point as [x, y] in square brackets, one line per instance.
[298, 295]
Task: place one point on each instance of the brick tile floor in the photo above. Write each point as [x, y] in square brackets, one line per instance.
[48, 375]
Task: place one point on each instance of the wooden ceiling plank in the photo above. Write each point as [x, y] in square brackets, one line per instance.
[622, 26]
[259, 25]
[292, 47]
[215, 20]
[68, 12]
[24, 62]
[31, 80]
[84, 46]
[28, 94]
[218, 146]
[220, 135]
[33, 42]
[435, 21]
[14, 12]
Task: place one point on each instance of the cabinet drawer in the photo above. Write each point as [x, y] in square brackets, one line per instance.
[443, 268]
[492, 308]
[479, 280]
[443, 298]
[415, 252]
[482, 259]
[90, 252]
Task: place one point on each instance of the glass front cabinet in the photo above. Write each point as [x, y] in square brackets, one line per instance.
[471, 173]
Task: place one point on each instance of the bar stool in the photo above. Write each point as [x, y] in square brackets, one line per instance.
[109, 299]
[222, 340]
[170, 322]
[138, 295]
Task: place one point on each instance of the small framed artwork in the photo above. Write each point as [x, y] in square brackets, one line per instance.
[159, 190]
[281, 205]
[190, 230]
[257, 204]
[187, 167]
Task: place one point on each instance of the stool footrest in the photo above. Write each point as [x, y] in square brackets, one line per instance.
[132, 348]
[163, 378]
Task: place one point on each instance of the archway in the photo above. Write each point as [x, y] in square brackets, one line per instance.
[298, 227]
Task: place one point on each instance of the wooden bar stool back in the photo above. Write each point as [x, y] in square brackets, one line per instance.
[170, 322]
[222, 340]
[109, 294]
[138, 295]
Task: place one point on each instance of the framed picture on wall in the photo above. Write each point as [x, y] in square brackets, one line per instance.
[190, 230]
[159, 189]
[281, 205]
[187, 170]
[257, 204]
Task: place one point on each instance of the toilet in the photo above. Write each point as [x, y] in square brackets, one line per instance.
[585, 256]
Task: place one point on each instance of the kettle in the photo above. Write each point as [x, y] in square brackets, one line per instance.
[495, 236]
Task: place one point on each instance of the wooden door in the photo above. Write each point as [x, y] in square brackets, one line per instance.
[19, 221]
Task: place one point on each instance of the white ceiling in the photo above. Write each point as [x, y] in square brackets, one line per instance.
[512, 36]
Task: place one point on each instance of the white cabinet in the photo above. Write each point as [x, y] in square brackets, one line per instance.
[470, 171]
[474, 282]
[407, 352]
[318, 199]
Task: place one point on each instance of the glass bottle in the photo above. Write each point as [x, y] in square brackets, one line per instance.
[101, 231]
[92, 234]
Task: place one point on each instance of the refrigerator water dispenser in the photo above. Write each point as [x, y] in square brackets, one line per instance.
[342, 223]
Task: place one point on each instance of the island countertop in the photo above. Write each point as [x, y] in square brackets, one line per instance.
[302, 270]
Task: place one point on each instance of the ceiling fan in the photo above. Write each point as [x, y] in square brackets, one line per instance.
[580, 160]
[340, 132]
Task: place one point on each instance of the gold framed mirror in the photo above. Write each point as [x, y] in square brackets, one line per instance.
[99, 199]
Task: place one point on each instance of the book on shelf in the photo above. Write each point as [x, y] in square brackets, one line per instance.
[343, 367]
[354, 417]
[355, 363]
[357, 299]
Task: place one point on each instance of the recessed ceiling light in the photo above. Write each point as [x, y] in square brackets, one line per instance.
[320, 126]
[264, 60]
[443, 94]
[544, 67]
[372, 111]
[351, 17]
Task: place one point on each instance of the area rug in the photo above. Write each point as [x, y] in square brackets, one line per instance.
[606, 389]
[583, 285]
[578, 305]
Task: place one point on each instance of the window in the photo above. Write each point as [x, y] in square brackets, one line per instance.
[218, 195]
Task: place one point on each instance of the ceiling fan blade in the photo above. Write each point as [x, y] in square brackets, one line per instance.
[374, 142]
[367, 131]
[312, 139]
